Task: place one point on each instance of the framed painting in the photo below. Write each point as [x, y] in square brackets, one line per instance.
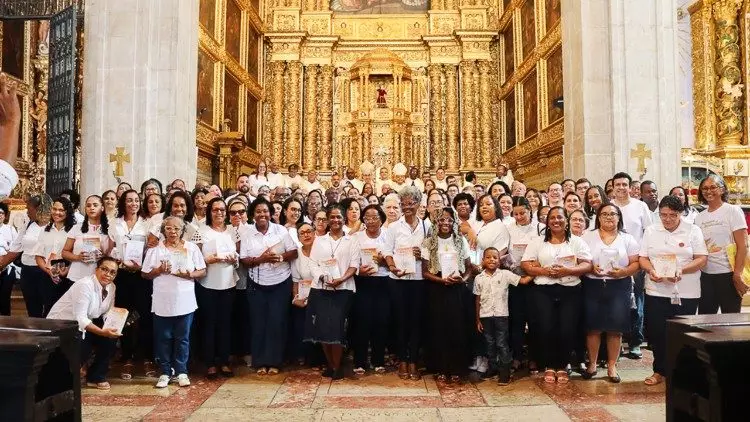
[252, 53]
[233, 29]
[552, 8]
[528, 28]
[231, 100]
[509, 109]
[251, 126]
[555, 85]
[382, 7]
[207, 16]
[508, 55]
[12, 34]
[530, 105]
[206, 74]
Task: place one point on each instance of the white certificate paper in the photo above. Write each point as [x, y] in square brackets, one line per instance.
[116, 318]
[665, 265]
[134, 251]
[303, 289]
[449, 264]
[404, 260]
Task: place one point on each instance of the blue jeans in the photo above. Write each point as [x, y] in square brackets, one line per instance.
[636, 315]
[172, 343]
[495, 330]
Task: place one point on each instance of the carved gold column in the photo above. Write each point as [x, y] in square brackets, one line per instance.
[277, 110]
[485, 114]
[403, 142]
[451, 119]
[310, 5]
[326, 116]
[311, 118]
[292, 145]
[367, 150]
[467, 99]
[729, 98]
[436, 115]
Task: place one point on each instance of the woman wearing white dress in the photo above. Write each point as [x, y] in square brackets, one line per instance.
[8, 234]
[87, 241]
[48, 253]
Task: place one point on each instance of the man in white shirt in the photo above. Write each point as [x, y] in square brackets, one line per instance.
[336, 181]
[503, 174]
[10, 126]
[243, 188]
[555, 195]
[414, 179]
[293, 179]
[311, 183]
[440, 180]
[89, 301]
[636, 217]
[384, 178]
[399, 177]
[367, 171]
[351, 179]
[582, 185]
[650, 196]
[275, 178]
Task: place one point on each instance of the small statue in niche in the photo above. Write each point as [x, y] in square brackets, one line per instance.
[381, 102]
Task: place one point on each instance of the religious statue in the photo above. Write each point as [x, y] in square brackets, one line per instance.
[39, 114]
[380, 102]
[43, 33]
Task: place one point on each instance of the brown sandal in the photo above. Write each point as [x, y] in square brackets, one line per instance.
[562, 377]
[654, 379]
[403, 373]
[549, 376]
[414, 373]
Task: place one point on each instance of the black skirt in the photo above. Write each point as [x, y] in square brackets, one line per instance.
[449, 334]
[606, 304]
[327, 317]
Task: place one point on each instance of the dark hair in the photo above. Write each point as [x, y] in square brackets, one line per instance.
[152, 181]
[571, 193]
[209, 218]
[195, 193]
[345, 204]
[4, 208]
[108, 191]
[189, 214]
[672, 203]
[452, 184]
[548, 232]
[121, 202]
[123, 183]
[511, 201]
[539, 211]
[568, 180]
[719, 181]
[377, 208]
[582, 180]
[75, 198]
[647, 182]
[257, 202]
[590, 211]
[285, 206]
[376, 197]
[621, 175]
[105, 258]
[505, 186]
[491, 248]
[336, 206]
[539, 197]
[463, 196]
[240, 176]
[103, 220]
[471, 177]
[585, 217]
[620, 224]
[498, 211]
[70, 219]
[521, 201]
[144, 204]
[686, 202]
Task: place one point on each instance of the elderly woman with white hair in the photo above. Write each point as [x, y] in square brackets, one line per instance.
[392, 208]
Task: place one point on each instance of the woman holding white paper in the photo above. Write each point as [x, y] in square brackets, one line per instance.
[672, 254]
[337, 256]
[606, 289]
[304, 270]
[87, 241]
[48, 252]
[371, 303]
[215, 291]
[446, 265]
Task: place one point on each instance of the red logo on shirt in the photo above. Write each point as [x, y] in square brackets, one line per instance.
[682, 245]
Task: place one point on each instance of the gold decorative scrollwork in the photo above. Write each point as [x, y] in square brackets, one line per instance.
[729, 93]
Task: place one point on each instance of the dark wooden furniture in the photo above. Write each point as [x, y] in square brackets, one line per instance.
[39, 370]
[708, 368]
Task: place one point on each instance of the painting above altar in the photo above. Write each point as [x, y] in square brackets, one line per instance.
[374, 7]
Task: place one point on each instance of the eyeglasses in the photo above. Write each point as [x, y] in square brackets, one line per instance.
[577, 220]
[373, 219]
[108, 271]
[446, 220]
[408, 204]
[668, 215]
[321, 219]
[304, 232]
[713, 188]
[237, 212]
[609, 214]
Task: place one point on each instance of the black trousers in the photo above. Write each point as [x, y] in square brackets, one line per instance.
[7, 278]
[558, 309]
[215, 313]
[407, 301]
[370, 314]
[658, 311]
[103, 349]
[241, 328]
[718, 292]
[134, 294]
[269, 308]
[519, 316]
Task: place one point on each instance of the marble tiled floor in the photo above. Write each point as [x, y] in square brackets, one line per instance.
[302, 395]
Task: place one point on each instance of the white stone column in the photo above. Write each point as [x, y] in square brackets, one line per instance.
[620, 88]
[139, 91]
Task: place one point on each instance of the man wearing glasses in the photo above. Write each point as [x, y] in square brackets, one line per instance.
[88, 301]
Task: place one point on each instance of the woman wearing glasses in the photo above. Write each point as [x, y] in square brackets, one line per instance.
[722, 224]
[606, 289]
[241, 329]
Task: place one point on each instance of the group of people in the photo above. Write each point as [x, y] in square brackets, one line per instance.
[418, 272]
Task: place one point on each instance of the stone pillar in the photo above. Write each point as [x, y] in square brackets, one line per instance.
[485, 115]
[451, 118]
[620, 89]
[277, 110]
[326, 116]
[436, 115]
[292, 145]
[139, 91]
[311, 116]
[467, 99]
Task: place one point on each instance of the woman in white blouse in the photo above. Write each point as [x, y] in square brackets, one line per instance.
[489, 230]
[606, 290]
[722, 224]
[337, 257]
[291, 217]
[48, 252]
[8, 234]
[303, 273]
[557, 261]
[173, 265]
[109, 200]
[87, 241]
[371, 303]
[672, 254]
[179, 205]
[241, 329]
[128, 232]
[352, 220]
[392, 208]
[690, 212]
[215, 291]
[267, 250]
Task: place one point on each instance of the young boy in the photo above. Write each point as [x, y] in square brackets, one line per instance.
[491, 290]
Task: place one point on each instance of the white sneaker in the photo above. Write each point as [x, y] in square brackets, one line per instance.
[183, 380]
[483, 365]
[163, 381]
[475, 364]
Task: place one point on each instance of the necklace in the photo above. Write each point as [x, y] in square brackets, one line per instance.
[338, 243]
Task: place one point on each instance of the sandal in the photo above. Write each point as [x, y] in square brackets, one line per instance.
[380, 369]
[533, 370]
[402, 371]
[455, 379]
[273, 371]
[440, 378]
[148, 369]
[562, 377]
[359, 371]
[127, 371]
[549, 376]
[414, 373]
[654, 379]
[262, 371]
[104, 385]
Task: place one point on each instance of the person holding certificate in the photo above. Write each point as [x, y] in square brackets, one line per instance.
[215, 291]
[489, 229]
[557, 261]
[402, 251]
[446, 264]
[87, 241]
[337, 257]
[371, 303]
[241, 328]
[89, 302]
[606, 290]
[48, 253]
[173, 265]
[303, 273]
[672, 255]
[267, 250]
